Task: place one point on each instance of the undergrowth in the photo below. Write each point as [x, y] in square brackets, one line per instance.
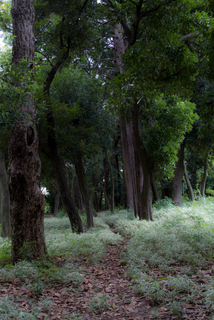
[170, 259]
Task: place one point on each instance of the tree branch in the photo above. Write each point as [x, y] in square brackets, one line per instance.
[133, 2]
[45, 57]
[104, 68]
[190, 36]
[148, 12]
[127, 30]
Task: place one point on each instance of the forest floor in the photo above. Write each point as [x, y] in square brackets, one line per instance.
[106, 293]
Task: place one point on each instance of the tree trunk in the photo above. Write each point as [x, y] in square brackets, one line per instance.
[155, 191]
[127, 169]
[83, 187]
[178, 178]
[146, 193]
[56, 202]
[75, 191]
[67, 200]
[27, 200]
[4, 200]
[59, 167]
[106, 184]
[118, 183]
[95, 194]
[112, 182]
[204, 179]
[107, 203]
[132, 169]
[56, 197]
[120, 46]
[189, 186]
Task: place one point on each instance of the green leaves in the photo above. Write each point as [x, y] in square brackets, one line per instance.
[16, 85]
[163, 128]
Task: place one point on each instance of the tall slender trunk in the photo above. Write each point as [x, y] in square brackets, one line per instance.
[155, 190]
[118, 183]
[56, 202]
[189, 186]
[107, 206]
[112, 182]
[128, 160]
[132, 168]
[75, 191]
[83, 187]
[107, 203]
[27, 200]
[56, 197]
[60, 173]
[146, 193]
[120, 46]
[204, 179]
[59, 167]
[177, 182]
[4, 200]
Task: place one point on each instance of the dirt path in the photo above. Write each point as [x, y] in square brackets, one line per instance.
[110, 279]
[106, 293]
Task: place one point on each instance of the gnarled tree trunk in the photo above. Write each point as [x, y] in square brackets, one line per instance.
[27, 201]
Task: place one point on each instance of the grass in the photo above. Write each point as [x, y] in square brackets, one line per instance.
[170, 259]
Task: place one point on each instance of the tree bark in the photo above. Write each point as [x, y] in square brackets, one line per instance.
[56, 196]
[118, 195]
[112, 182]
[128, 160]
[146, 193]
[27, 200]
[59, 168]
[189, 186]
[67, 200]
[155, 191]
[107, 203]
[56, 202]
[83, 187]
[204, 179]
[120, 46]
[177, 182]
[4, 200]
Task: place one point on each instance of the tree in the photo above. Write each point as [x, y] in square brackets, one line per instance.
[27, 201]
[66, 31]
[80, 124]
[4, 200]
[157, 61]
[177, 183]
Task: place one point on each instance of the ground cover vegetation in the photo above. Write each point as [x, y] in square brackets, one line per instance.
[167, 262]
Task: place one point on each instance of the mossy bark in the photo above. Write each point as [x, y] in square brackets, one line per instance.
[27, 201]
